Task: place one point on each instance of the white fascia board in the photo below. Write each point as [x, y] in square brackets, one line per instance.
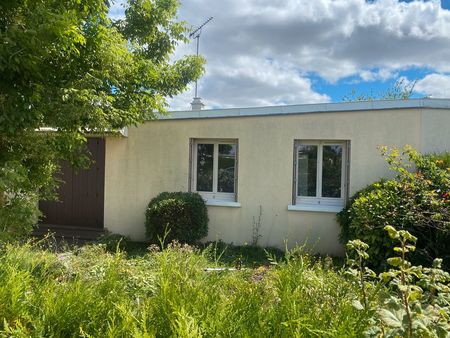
[122, 132]
[309, 109]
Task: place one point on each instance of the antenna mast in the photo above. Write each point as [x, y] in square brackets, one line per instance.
[196, 35]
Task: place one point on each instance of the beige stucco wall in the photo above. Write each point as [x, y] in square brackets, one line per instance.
[155, 158]
[435, 130]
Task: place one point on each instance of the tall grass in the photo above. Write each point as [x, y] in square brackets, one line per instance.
[92, 293]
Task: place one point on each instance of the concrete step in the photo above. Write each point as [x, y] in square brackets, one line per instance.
[68, 232]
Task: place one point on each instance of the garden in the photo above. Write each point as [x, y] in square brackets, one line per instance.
[92, 292]
[117, 288]
[68, 70]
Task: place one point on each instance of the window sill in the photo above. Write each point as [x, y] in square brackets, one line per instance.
[316, 208]
[218, 203]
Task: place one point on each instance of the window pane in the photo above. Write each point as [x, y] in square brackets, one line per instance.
[332, 171]
[227, 160]
[307, 170]
[205, 167]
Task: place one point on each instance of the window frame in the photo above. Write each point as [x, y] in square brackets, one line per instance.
[214, 195]
[319, 201]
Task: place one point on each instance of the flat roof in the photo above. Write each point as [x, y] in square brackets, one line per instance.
[310, 108]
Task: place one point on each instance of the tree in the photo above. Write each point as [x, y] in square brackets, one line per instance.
[67, 66]
[401, 90]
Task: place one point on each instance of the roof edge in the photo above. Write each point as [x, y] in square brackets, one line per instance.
[309, 108]
[120, 132]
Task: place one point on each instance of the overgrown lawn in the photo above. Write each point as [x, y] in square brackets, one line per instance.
[93, 293]
[216, 291]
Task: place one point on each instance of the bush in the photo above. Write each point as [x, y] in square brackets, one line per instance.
[177, 215]
[441, 159]
[416, 200]
[27, 176]
[18, 203]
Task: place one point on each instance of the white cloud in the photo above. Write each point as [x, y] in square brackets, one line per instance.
[377, 75]
[434, 85]
[250, 81]
[334, 39]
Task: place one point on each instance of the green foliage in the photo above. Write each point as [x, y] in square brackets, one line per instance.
[357, 269]
[26, 176]
[344, 217]
[248, 255]
[91, 292]
[442, 160]
[416, 200]
[67, 66]
[17, 207]
[168, 293]
[114, 242]
[401, 90]
[177, 215]
[407, 300]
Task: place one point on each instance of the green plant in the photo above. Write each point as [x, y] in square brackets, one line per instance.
[442, 160]
[24, 179]
[345, 216]
[407, 300]
[177, 215]
[114, 242]
[421, 302]
[256, 227]
[93, 293]
[18, 210]
[70, 69]
[417, 200]
[248, 255]
[400, 90]
[361, 273]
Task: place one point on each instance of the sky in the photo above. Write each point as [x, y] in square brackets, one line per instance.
[279, 52]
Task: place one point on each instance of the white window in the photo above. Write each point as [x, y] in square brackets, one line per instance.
[320, 174]
[214, 169]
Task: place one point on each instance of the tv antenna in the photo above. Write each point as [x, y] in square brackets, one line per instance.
[196, 35]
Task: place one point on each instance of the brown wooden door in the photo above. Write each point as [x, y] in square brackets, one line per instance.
[81, 195]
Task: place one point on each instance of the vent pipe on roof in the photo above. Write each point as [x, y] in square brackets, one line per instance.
[197, 103]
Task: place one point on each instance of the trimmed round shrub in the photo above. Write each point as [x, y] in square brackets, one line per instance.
[181, 216]
[416, 200]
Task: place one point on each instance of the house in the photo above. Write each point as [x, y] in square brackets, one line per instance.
[284, 171]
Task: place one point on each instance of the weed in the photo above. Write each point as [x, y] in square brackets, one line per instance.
[256, 226]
